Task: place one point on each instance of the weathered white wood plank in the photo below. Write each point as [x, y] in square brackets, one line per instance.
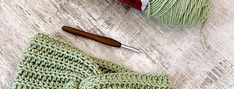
[176, 51]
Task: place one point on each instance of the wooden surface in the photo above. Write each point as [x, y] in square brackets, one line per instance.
[175, 51]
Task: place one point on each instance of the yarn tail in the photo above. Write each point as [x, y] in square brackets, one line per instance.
[204, 37]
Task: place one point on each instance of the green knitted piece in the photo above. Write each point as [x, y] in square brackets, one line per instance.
[51, 64]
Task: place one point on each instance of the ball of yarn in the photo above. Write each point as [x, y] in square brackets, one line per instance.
[178, 12]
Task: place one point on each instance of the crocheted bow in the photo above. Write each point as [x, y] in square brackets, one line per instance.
[50, 63]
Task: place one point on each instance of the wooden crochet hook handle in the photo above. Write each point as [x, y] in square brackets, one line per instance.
[102, 39]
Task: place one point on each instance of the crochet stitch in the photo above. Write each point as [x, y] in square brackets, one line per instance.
[51, 64]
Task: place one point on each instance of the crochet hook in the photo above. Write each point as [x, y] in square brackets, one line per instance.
[98, 38]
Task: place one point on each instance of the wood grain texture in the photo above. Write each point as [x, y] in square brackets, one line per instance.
[175, 51]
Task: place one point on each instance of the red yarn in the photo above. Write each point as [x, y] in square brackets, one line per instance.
[132, 3]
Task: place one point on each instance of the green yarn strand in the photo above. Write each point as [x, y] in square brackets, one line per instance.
[179, 12]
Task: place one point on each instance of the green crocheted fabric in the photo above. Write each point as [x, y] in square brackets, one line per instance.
[51, 64]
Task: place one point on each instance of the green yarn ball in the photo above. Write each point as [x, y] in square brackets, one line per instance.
[178, 12]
